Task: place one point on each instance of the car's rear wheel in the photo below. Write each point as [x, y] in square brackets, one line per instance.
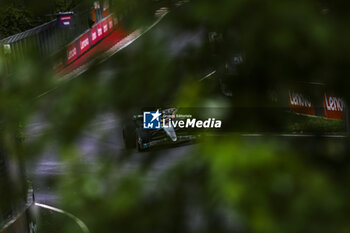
[129, 135]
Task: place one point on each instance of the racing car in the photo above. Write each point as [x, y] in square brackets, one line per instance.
[135, 135]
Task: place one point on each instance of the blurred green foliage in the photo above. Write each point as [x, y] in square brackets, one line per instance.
[18, 16]
[15, 20]
[225, 183]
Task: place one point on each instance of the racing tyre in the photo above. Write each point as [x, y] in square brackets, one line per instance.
[129, 135]
[141, 138]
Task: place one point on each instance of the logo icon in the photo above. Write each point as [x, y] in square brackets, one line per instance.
[151, 120]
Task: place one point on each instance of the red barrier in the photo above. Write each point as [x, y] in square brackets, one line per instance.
[84, 43]
[94, 38]
[99, 31]
[105, 27]
[96, 34]
[299, 103]
[72, 52]
[334, 107]
[90, 38]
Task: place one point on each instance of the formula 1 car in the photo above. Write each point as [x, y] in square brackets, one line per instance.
[136, 135]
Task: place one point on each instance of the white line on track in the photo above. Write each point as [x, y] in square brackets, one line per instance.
[208, 75]
[81, 224]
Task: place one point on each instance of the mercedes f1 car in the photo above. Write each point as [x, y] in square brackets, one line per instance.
[135, 134]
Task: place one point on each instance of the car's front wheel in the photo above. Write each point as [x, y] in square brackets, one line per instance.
[142, 137]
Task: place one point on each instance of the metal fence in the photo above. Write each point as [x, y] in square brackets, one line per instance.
[53, 39]
[46, 39]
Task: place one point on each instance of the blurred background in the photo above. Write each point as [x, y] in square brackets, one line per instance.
[73, 72]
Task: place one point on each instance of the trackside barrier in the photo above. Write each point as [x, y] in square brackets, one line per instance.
[88, 40]
[300, 103]
[329, 106]
[22, 223]
[334, 107]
